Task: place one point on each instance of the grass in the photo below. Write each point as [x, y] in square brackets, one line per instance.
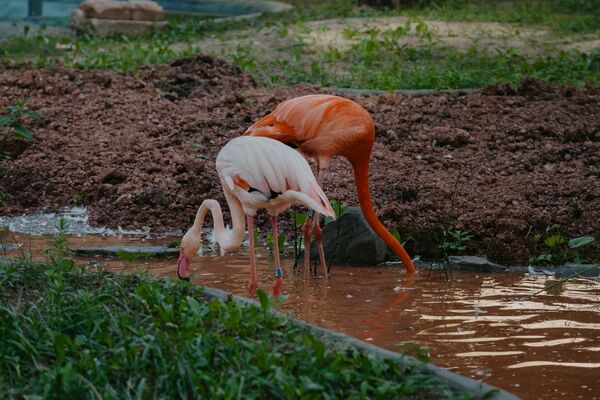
[71, 333]
[373, 64]
[379, 60]
[561, 16]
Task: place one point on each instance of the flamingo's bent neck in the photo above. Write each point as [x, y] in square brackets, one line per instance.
[361, 177]
[228, 242]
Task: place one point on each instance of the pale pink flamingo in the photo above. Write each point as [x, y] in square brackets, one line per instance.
[255, 172]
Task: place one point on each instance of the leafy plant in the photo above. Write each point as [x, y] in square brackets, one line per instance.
[455, 241]
[256, 234]
[556, 249]
[89, 330]
[174, 244]
[280, 241]
[403, 241]
[13, 121]
[59, 243]
[413, 349]
[129, 256]
[338, 207]
[79, 197]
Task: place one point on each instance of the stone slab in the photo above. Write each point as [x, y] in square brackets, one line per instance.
[139, 10]
[103, 27]
[105, 9]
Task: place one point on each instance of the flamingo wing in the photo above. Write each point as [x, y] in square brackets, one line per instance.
[267, 166]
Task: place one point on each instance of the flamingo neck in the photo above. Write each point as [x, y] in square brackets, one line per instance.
[361, 177]
[227, 241]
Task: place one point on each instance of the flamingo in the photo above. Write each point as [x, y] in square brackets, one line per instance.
[255, 173]
[322, 126]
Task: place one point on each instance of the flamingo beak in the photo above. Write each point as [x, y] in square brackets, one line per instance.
[183, 266]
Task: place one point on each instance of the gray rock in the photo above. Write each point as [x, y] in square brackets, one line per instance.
[357, 244]
[475, 263]
[112, 251]
[102, 27]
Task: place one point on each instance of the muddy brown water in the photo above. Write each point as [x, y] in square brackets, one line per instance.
[477, 325]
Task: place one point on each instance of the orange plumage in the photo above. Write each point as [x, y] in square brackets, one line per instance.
[321, 127]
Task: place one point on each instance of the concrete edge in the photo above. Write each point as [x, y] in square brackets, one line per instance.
[457, 382]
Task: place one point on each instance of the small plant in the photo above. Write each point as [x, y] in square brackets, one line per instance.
[416, 351]
[403, 241]
[128, 257]
[268, 302]
[454, 241]
[338, 208]
[174, 244]
[78, 198]
[13, 121]
[280, 241]
[58, 254]
[556, 249]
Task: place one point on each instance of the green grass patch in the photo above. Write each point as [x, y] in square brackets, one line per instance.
[68, 332]
[560, 16]
[376, 61]
[373, 64]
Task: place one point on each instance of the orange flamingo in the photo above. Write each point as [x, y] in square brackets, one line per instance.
[321, 127]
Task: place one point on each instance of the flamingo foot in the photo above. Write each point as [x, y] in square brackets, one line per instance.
[252, 285]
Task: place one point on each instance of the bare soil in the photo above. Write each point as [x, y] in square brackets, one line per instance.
[139, 151]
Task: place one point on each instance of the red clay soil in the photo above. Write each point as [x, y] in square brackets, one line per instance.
[139, 150]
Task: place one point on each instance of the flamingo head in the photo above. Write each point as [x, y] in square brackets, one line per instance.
[190, 244]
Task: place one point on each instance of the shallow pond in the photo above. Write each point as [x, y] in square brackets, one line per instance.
[478, 324]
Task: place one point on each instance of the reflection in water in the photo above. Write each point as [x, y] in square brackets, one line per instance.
[479, 325]
[488, 353]
[554, 342]
[561, 364]
[562, 323]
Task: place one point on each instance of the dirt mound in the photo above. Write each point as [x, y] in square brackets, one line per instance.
[196, 76]
[502, 164]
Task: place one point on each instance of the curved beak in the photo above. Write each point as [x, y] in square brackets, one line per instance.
[183, 266]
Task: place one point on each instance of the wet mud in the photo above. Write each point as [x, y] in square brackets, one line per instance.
[139, 151]
[479, 325]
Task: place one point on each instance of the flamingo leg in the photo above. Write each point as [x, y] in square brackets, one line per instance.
[306, 230]
[317, 232]
[278, 270]
[253, 284]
